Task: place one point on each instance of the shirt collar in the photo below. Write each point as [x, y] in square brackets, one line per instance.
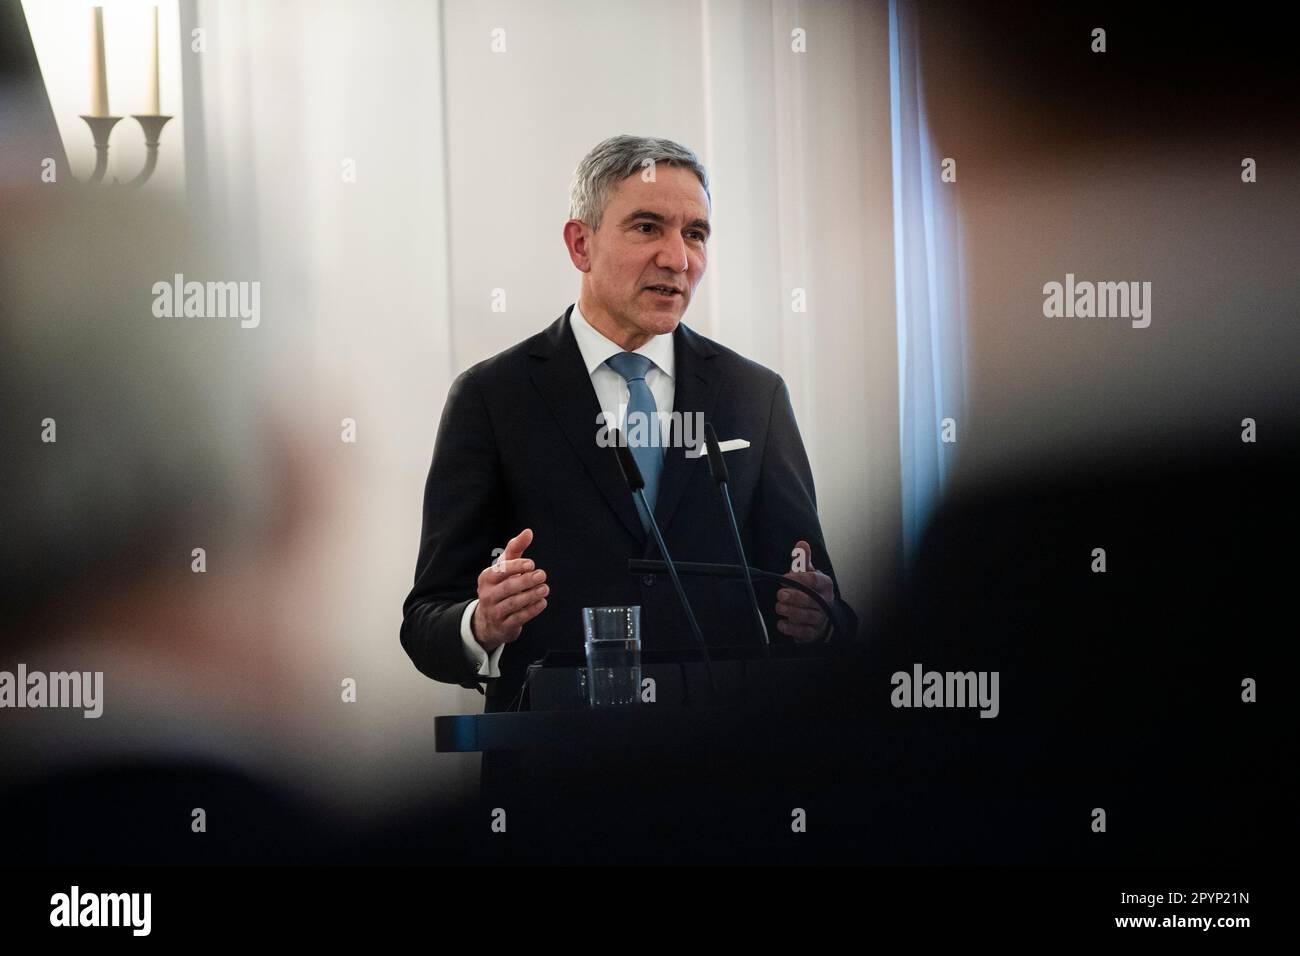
[596, 348]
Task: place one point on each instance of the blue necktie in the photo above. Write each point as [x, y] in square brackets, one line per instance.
[643, 439]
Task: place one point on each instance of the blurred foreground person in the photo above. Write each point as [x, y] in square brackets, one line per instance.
[149, 519]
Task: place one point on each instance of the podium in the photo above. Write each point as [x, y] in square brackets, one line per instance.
[802, 759]
[793, 761]
[673, 777]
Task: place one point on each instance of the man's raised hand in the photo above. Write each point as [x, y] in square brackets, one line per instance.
[799, 616]
[511, 592]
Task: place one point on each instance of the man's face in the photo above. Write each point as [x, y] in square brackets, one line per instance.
[652, 234]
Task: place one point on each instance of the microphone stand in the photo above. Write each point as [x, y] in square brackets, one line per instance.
[632, 474]
[718, 469]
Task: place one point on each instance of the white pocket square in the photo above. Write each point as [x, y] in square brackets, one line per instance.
[731, 444]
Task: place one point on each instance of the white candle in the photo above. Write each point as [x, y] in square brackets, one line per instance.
[98, 69]
[152, 107]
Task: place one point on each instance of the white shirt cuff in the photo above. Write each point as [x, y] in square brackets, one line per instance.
[485, 663]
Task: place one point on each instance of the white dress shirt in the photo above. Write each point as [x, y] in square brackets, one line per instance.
[612, 397]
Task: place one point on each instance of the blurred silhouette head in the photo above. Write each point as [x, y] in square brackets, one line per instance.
[131, 439]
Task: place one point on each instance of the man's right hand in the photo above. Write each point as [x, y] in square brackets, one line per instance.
[511, 592]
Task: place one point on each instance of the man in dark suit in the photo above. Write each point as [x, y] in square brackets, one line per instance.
[527, 518]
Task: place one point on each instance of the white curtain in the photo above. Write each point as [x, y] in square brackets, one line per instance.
[929, 281]
[795, 133]
[322, 146]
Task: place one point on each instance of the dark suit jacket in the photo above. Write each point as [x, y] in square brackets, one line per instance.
[517, 449]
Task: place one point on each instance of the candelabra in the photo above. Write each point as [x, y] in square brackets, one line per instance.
[101, 127]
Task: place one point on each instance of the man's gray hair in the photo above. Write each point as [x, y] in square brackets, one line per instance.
[617, 158]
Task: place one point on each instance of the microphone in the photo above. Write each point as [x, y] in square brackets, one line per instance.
[718, 469]
[632, 475]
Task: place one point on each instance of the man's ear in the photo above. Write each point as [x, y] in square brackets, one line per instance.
[577, 239]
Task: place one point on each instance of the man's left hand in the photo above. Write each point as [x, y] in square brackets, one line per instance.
[799, 615]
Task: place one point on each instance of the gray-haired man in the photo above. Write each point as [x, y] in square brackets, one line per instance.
[519, 463]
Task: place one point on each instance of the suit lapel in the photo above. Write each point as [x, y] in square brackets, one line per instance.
[695, 390]
[562, 379]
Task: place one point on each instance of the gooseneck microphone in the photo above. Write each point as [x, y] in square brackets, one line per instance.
[632, 475]
[718, 469]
